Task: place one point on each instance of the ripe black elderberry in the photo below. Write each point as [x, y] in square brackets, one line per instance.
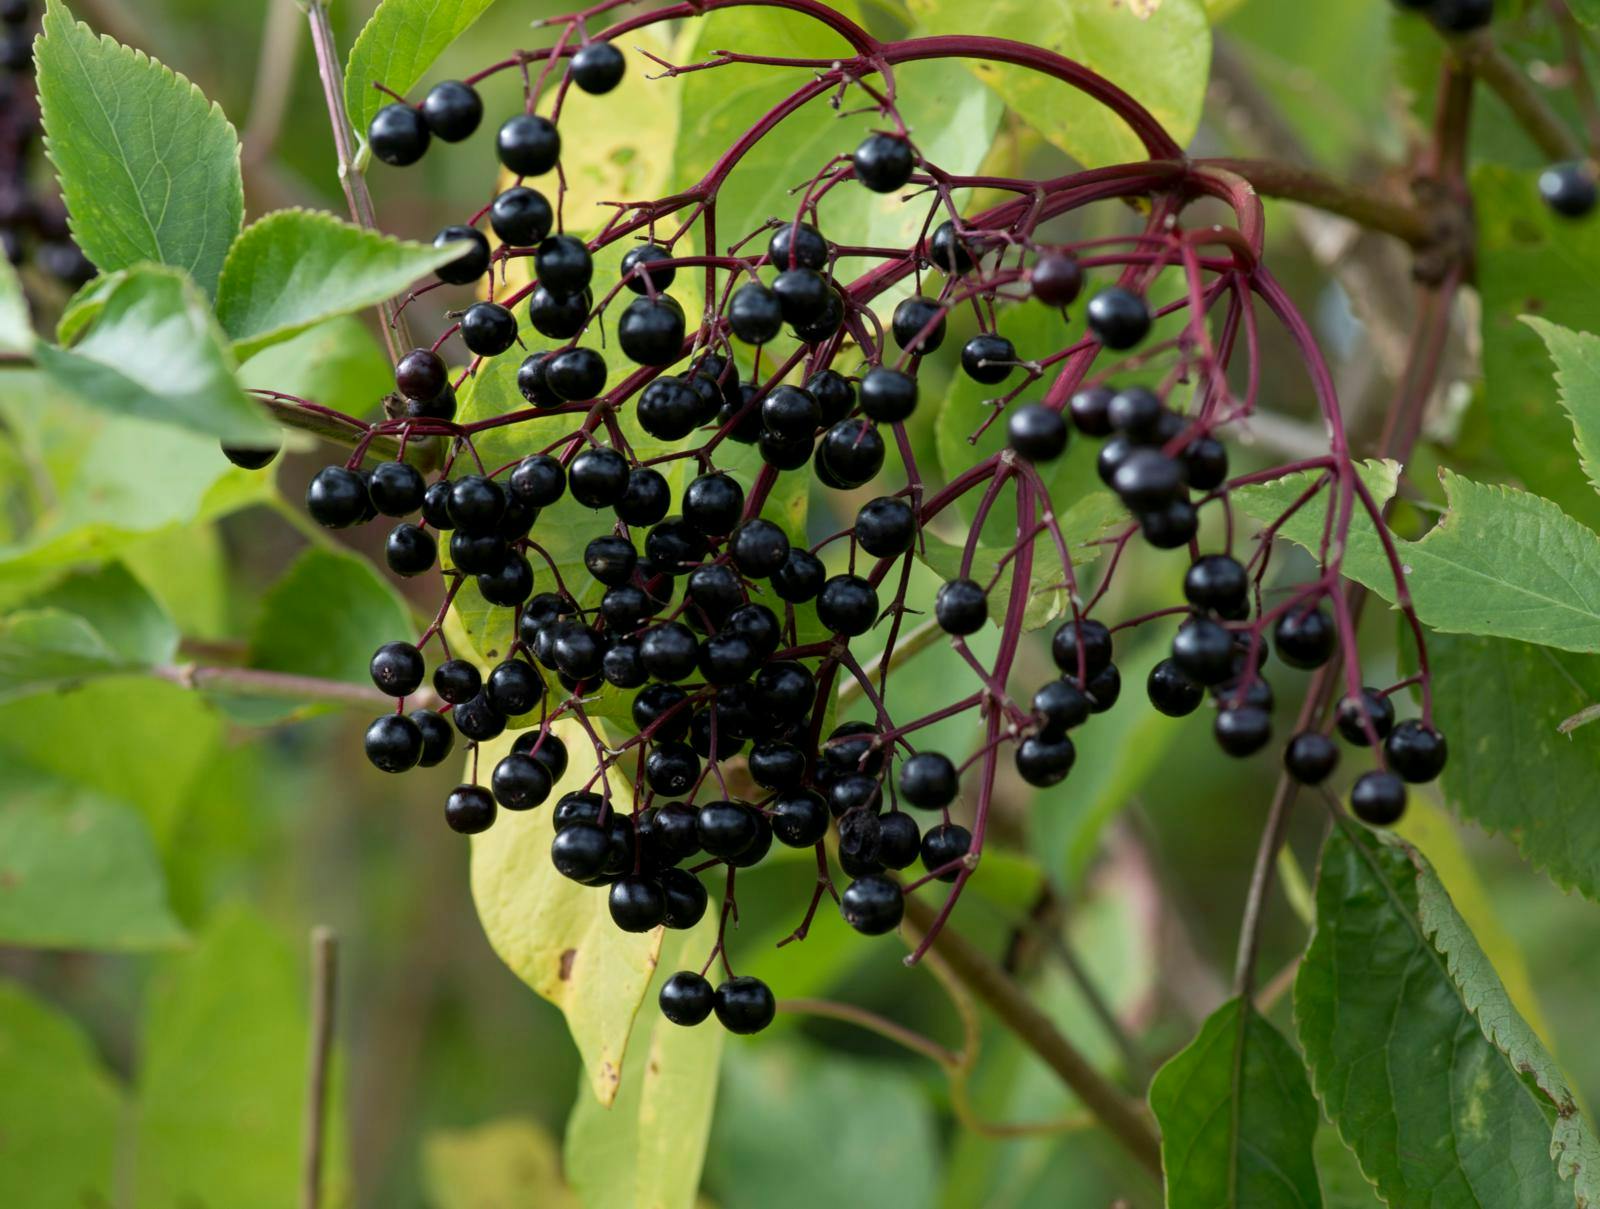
[452, 110]
[520, 782]
[686, 898]
[394, 743]
[397, 669]
[514, 688]
[253, 457]
[797, 245]
[478, 719]
[421, 375]
[396, 488]
[1037, 433]
[437, 737]
[469, 809]
[637, 904]
[1378, 798]
[899, 840]
[686, 998]
[918, 325]
[883, 162]
[872, 905]
[1091, 410]
[1305, 637]
[529, 145]
[1056, 279]
[803, 295]
[961, 607]
[929, 781]
[580, 850]
[1217, 582]
[888, 395]
[598, 478]
[800, 578]
[847, 605]
[410, 550]
[1061, 705]
[1118, 318]
[1244, 730]
[456, 681]
[791, 412]
[1045, 759]
[538, 480]
[1354, 714]
[1568, 189]
[521, 217]
[1414, 752]
[563, 265]
[1311, 757]
[1172, 691]
[988, 358]
[1203, 650]
[799, 819]
[471, 264]
[337, 498]
[755, 314]
[850, 454]
[943, 846]
[558, 316]
[651, 331]
[398, 135]
[758, 548]
[885, 527]
[476, 504]
[488, 329]
[647, 267]
[745, 1005]
[598, 68]
[669, 410]
[1089, 637]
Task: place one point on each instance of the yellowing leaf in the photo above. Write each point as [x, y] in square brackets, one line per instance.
[506, 1164]
[556, 935]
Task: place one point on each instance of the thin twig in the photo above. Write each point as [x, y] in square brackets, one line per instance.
[1366, 207]
[1510, 83]
[918, 640]
[324, 977]
[257, 682]
[873, 1023]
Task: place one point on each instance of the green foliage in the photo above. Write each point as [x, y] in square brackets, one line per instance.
[59, 1111]
[1577, 359]
[155, 352]
[1113, 40]
[502, 1164]
[398, 44]
[1415, 1051]
[149, 168]
[295, 268]
[1237, 1118]
[16, 334]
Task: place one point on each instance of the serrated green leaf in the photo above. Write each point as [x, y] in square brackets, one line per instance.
[79, 871]
[556, 935]
[644, 1150]
[220, 1122]
[1577, 358]
[154, 352]
[1418, 1057]
[1510, 771]
[16, 329]
[396, 46]
[1500, 562]
[60, 1110]
[149, 168]
[1237, 1118]
[296, 268]
[1111, 39]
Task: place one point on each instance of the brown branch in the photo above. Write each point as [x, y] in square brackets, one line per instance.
[873, 1023]
[1479, 54]
[257, 682]
[1123, 1117]
[1365, 207]
[324, 973]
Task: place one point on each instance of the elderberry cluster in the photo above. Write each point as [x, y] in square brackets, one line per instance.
[31, 224]
[720, 635]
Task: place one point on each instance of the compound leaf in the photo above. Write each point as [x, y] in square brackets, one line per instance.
[1237, 1118]
[149, 168]
[398, 43]
[556, 935]
[1419, 1058]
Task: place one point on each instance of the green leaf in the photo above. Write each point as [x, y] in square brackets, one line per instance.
[59, 1109]
[222, 1079]
[1587, 11]
[121, 611]
[149, 168]
[1237, 1118]
[16, 329]
[296, 268]
[396, 46]
[1510, 771]
[556, 935]
[1577, 358]
[337, 360]
[155, 352]
[325, 616]
[78, 870]
[1113, 40]
[1531, 261]
[1416, 1053]
[48, 648]
[504, 1164]
[1500, 562]
[644, 1151]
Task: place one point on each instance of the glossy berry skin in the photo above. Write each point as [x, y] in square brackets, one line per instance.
[598, 68]
[1103, 689]
[888, 395]
[1378, 798]
[674, 546]
[514, 688]
[647, 266]
[645, 499]
[539, 480]
[834, 395]
[1415, 753]
[850, 454]
[1057, 279]
[476, 504]
[777, 765]
[803, 295]
[929, 781]
[758, 548]
[254, 457]
[396, 488]
[528, 144]
[961, 607]
[478, 720]
[520, 782]
[1060, 705]
[651, 330]
[469, 809]
[1045, 759]
[394, 743]
[421, 374]
[521, 217]
[457, 681]
[1310, 757]
[1203, 650]
[686, 998]
[1118, 318]
[473, 261]
[1568, 189]
[397, 669]
[1094, 640]
[437, 737]
[1037, 433]
[799, 819]
[948, 251]
[598, 478]
[755, 314]
[452, 110]
[1171, 526]
[1172, 691]
[899, 840]
[792, 412]
[1205, 463]
[668, 409]
[1353, 715]
[671, 768]
[1461, 16]
[1217, 582]
[398, 135]
[1243, 731]
[637, 904]
[1305, 638]
[686, 898]
[885, 527]
[883, 162]
[563, 265]
[745, 1005]
[558, 316]
[580, 850]
[337, 498]
[800, 578]
[1090, 409]
[847, 605]
[872, 905]
[798, 245]
[988, 358]
[918, 325]
[410, 550]
[477, 554]
[1148, 480]
[726, 829]
[576, 374]
[944, 845]
[488, 329]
